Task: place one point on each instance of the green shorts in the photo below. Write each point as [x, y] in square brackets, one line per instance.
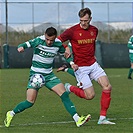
[131, 57]
[50, 80]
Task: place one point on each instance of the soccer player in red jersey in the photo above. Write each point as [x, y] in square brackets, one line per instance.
[82, 37]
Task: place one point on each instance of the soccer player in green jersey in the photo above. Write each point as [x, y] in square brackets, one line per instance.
[130, 46]
[45, 49]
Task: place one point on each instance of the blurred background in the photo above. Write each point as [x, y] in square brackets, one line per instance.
[21, 21]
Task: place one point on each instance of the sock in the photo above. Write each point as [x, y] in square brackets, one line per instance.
[76, 117]
[71, 72]
[12, 113]
[130, 72]
[78, 91]
[68, 104]
[105, 102]
[66, 69]
[22, 106]
[102, 117]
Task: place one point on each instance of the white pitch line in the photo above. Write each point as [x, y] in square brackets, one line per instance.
[61, 122]
[114, 76]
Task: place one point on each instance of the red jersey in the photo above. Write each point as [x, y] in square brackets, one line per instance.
[83, 43]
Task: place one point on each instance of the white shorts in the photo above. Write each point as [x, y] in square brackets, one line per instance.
[87, 73]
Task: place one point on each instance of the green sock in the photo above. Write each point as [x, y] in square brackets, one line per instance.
[70, 71]
[68, 104]
[22, 106]
[130, 72]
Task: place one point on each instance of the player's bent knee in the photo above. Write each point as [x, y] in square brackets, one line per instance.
[90, 96]
[89, 93]
[108, 87]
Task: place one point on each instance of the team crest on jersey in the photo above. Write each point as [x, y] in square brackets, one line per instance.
[92, 33]
[80, 34]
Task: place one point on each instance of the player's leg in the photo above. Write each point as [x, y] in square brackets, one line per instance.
[100, 76]
[60, 90]
[64, 68]
[130, 71]
[31, 98]
[70, 71]
[87, 93]
[105, 99]
[131, 68]
[87, 90]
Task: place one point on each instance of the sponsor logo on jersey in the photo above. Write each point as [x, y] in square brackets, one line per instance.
[46, 54]
[86, 41]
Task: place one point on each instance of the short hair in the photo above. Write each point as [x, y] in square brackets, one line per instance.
[51, 31]
[84, 11]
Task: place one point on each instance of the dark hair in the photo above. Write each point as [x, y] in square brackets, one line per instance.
[84, 11]
[51, 31]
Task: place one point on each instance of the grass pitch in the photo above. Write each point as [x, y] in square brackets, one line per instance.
[48, 115]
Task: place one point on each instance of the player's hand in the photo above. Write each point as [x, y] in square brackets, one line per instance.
[62, 68]
[67, 53]
[74, 67]
[20, 49]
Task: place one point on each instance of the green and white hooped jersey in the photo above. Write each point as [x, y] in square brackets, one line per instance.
[130, 45]
[43, 55]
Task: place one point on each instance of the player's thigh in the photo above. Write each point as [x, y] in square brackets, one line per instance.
[31, 95]
[83, 77]
[86, 81]
[131, 58]
[96, 72]
[132, 65]
[53, 83]
[51, 80]
[59, 89]
[104, 83]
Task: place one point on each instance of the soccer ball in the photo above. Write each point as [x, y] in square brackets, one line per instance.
[37, 80]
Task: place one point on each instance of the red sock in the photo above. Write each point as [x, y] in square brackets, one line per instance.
[77, 91]
[105, 102]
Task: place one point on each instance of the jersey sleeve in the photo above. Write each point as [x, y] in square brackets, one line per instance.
[130, 42]
[69, 59]
[66, 35]
[61, 49]
[30, 43]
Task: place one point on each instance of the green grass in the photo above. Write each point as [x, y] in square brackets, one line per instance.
[48, 114]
